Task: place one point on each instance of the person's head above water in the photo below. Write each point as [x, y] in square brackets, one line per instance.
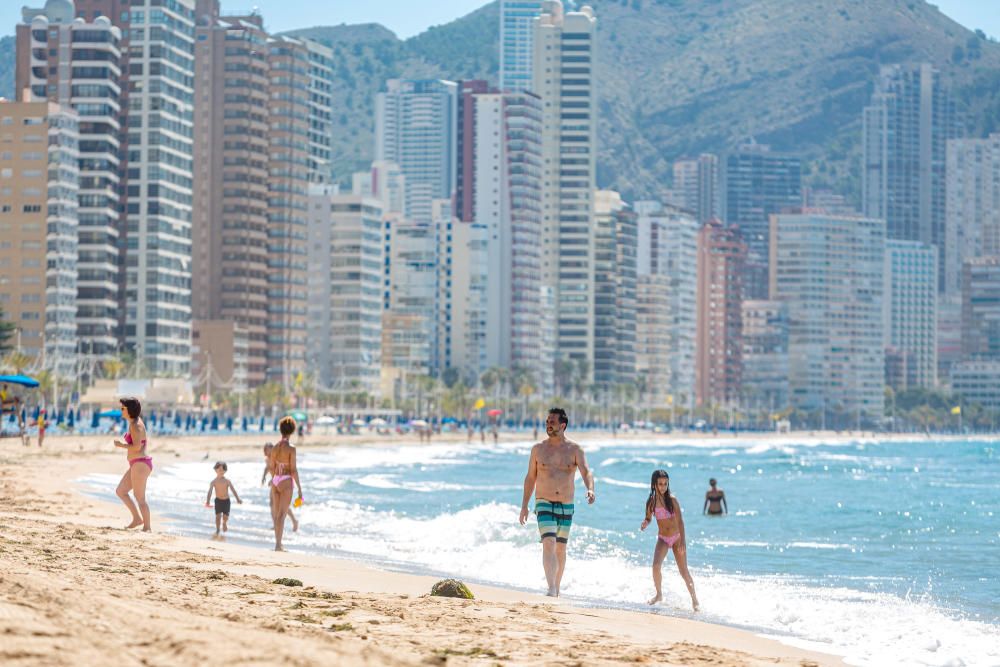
[557, 422]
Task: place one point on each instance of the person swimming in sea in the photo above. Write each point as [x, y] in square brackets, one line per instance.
[715, 500]
[665, 507]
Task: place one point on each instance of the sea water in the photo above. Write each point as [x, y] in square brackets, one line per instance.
[887, 553]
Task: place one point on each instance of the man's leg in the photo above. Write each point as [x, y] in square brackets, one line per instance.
[550, 561]
[561, 560]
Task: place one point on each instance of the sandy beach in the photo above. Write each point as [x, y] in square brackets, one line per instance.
[77, 589]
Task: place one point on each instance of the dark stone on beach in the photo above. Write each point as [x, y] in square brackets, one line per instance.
[452, 588]
[285, 581]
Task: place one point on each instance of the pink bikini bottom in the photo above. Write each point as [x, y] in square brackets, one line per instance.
[148, 460]
[670, 540]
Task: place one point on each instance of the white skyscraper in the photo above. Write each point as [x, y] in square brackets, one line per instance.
[415, 128]
[829, 271]
[563, 78]
[972, 208]
[159, 184]
[668, 248]
[910, 313]
[516, 44]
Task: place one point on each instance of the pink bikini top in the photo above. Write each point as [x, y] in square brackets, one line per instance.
[128, 440]
[662, 513]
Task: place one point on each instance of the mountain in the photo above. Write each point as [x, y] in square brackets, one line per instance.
[683, 76]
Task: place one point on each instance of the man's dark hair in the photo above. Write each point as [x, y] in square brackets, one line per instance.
[559, 412]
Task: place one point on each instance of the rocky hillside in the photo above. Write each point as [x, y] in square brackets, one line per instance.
[684, 76]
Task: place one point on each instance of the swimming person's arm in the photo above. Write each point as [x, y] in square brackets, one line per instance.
[295, 471]
[529, 484]
[585, 472]
[233, 489]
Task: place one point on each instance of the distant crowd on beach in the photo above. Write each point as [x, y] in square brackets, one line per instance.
[551, 479]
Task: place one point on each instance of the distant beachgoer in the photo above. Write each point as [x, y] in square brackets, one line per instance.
[284, 471]
[551, 472]
[670, 524]
[140, 466]
[222, 487]
[263, 480]
[715, 500]
[41, 426]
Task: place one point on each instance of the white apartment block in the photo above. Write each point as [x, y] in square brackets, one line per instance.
[910, 308]
[563, 77]
[972, 205]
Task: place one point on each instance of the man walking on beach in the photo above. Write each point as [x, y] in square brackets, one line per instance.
[551, 475]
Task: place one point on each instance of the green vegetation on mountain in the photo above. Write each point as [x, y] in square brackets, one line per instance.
[679, 77]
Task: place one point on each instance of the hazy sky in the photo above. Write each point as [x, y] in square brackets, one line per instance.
[409, 17]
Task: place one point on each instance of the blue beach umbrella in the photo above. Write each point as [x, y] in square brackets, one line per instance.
[261, 423]
[215, 422]
[177, 420]
[94, 420]
[275, 426]
[34, 415]
[246, 423]
[229, 423]
[59, 417]
[71, 419]
[152, 419]
[114, 414]
[22, 380]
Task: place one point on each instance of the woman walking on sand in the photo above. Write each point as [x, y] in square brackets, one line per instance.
[670, 523]
[139, 465]
[284, 471]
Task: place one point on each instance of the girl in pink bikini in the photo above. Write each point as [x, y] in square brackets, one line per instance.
[670, 523]
[139, 465]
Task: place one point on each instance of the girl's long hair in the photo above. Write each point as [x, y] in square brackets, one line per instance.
[651, 501]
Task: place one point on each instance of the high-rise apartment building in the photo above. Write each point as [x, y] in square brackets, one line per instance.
[517, 19]
[719, 347]
[499, 187]
[667, 246]
[765, 356]
[346, 260]
[39, 179]
[230, 225]
[410, 293]
[829, 271]
[981, 309]
[905, 132]
[77, 64]
[757, 184]
[697, 182]
[653, 348]
[563, 63]
[415, 124]
[463, 286]
[972, 207]
[909, 300]
[615, 247]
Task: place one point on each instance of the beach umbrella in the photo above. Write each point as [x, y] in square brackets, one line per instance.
[229, 423]
[449, 420]
[420, 423]
[22, 380]
[34, 415]
[78, 414]
[246, 424]
[177, 420]
[495, 412]
[297, 415]
[215, 422]
[275, 426]
[94, 420]
[152, 419]
[24, 415]
[71, 419]
[204, 423]
[261, 429]
[378, 421]
[59, 417]
[110, 413]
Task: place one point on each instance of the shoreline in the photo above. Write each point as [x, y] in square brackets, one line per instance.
[376, 616]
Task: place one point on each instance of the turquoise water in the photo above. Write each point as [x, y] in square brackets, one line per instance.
[886, 553]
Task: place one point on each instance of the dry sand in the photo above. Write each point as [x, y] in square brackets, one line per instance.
[76, 589]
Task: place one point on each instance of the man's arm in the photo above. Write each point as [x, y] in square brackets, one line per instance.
[529, 484]
[586, 474]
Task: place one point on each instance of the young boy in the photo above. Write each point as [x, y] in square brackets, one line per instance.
[222, 486]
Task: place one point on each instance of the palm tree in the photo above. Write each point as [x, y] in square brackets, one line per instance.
[17, 361]
[7, 330]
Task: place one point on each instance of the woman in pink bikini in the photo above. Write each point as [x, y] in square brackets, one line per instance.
[139, 464]
[670, 523]
[283, 470]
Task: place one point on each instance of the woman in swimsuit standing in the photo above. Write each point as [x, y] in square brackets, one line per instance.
[670, 523]
[139, 465]
[282, 464]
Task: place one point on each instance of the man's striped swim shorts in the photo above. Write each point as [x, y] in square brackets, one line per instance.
[554, 519]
